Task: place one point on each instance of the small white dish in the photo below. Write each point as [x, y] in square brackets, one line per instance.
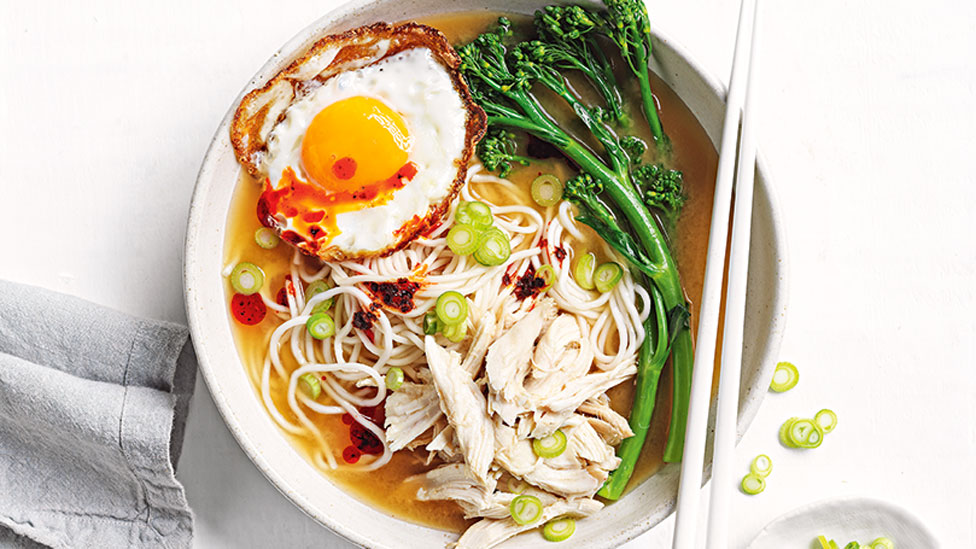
[845, 520]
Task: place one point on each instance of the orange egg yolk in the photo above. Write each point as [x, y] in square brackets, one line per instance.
[354, 143]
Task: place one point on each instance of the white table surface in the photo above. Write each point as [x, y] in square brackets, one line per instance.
[106, 109]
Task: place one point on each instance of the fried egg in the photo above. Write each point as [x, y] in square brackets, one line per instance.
[361, 161]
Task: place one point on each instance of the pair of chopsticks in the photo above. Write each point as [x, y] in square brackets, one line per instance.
[740, 112]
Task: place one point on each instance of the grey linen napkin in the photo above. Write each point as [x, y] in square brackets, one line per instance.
[92, 408]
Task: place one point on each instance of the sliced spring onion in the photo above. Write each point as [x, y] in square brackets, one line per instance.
[583, 272]
[266, 238]
[310, 385]
[607, 276]
[833, 545]
[547, 190]
[525, 509]
[463, 239]
[547, 273]
[551, 446]
[882, 543]
[853, 545]
[805, 433]
[451, 308]
[455, 332]
[826, 419]
[476, 214]
[320, 326]
[784, 433]
[494, 248]
[824, 544]
[394, 378]
[431, 324]
[560, 529]
[785, 377]
[761, 465]
[247, 278]
[753, 484]
[314, 289]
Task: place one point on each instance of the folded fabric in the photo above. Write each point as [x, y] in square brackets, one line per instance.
[92, 408]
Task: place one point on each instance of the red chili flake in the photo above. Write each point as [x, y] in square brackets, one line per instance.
[313, 217]
[396, 295]
[344, 168]
[351, 454]
[364, 440]
[528, 284]
[292, 236]
[347, 419]
[560, 253]
[506, 279]
[281, 298]
[363, 320]
[248, 309]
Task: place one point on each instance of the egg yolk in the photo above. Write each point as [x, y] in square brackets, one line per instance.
[353, 143]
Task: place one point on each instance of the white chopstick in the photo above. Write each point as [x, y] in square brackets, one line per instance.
[727, 413]
[689, 489]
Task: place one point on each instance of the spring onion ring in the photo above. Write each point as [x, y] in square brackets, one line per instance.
[310, 385]
[547, 273]
[551, 446]
[583, 272]
[761, 465]
[247, 278]
[320, 326]
[314, 289]
[451, 308]
[607, 276]
[494, 248]
[431, 324]
[455, 332]
[394, 378]
[463, 239]
[785, 377]
[560, 529]
[826, 419]
[805, 433]
[266, 238]
[525, 509]
[753, 484]
[882, 543]
[476, 214]
[784, 433]
[547, 190]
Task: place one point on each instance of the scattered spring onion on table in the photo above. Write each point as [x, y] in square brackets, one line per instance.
[879, 543]
[525, 509]
[826, 419]
[560, 529]
[753, 484]
[761, 465]
[247, 278]
[785, 377]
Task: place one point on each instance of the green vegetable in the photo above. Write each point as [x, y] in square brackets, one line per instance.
[476, 214]
[525, 509]
[784, 433]
[320, 326]
[547, 273]
[247, 278]
[547, 190]
[824, 544]
[882, 543]
[463, 239]
[761, 466]
[826, 419]
[753, 484]
[310, 385]
[497, 151]
[662, 188]
[394, 378]
[431, 324]
[266, 238]
[853, 545]
[456, 332]
[494, 249]
[451, 308]
[314, 289]
[551, 446]
[785, 377]
[607, 276]
[560, 529]
[801, 433]
[583, 272]
[501, 80]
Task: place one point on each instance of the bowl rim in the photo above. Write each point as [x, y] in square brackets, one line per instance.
[747, 412]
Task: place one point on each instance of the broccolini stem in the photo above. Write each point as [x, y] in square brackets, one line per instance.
[650, 110]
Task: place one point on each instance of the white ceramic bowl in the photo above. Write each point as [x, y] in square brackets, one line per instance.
[209, 322]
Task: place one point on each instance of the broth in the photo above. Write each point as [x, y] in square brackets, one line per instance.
[385, 488]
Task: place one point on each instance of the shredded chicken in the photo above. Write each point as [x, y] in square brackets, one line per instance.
[489, 533]
[410, 411]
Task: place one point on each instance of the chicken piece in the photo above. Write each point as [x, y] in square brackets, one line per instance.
[586, 444]
[445, 444]
[454, 482]
[464, 406]
[508, 363]
[611, 426]
[563, 353]
[513, 454]
[564, 475]
[584, 388]
[483, 337]
[488, 533]
[410, 411]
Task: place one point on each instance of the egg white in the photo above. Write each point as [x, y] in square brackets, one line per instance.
[419, 88]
